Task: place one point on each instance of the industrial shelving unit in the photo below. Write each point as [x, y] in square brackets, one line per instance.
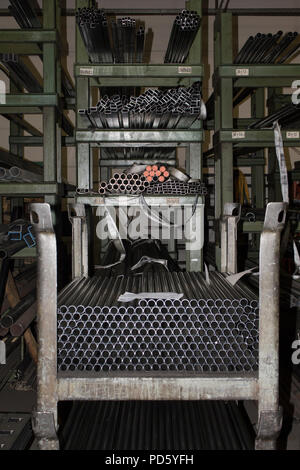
[89, 75]
[46, 43]
[229, 137]
[56, 385]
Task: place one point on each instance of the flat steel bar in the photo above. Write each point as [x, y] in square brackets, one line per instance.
[139, 136]
[200, 387]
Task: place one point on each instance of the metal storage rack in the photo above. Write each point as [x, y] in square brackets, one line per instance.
[89, 75]
[54, 385]
[227, 77]
[45, 42]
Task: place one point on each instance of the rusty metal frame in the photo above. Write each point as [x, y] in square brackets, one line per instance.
[54, 386]
[228, 227]
[79, 239]
[45, 415]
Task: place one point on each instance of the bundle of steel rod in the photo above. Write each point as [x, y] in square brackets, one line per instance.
[93, 27]
[142, 255]
[24, 13]
[156, 173]
[286, 115]
[15, 66]
[213, 327]
[155, 109]
[268, 48]
[18, 174]
[157, 425]
[184, 30]
[172, 186]
[128, 42]
[124, 183]
[261, 49]
[7, 160]
[13, 357]
[11, 316]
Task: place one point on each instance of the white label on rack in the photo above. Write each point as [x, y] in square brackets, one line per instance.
[292, 135]
[86, 71]
[238, 134]
[173, 200]
[242, 72]
[185, 69]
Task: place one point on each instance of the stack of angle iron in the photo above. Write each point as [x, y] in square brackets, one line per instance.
[185, 28]
[175, 108]
[123, 42]
[286, 115]
[16, 174]
[178, 321]
[17, 68]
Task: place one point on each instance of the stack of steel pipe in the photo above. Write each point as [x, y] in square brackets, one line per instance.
[173, 186]
[126, 44]
[15, 173]
[156, 173]
[26, 18]
[142, 255]
[212, 328]
[262, 49]
[93, 27]
[268, 48]
[157, 425]
[123, 183]
[136, 153]
[155, 109]
[128, 41]
[15, 66]
[286, 115]
[184, 31]
[24, 14]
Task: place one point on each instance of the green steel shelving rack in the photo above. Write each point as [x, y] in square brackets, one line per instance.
[48, 43]
[89, 75]
[227, 137]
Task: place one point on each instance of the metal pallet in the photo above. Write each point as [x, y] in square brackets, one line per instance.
[262, 386]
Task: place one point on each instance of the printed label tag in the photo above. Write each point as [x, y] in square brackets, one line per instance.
[173, 200]
[86, 71]
[292, 135]
[238, 134]
[242, 72]
[185, 69]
